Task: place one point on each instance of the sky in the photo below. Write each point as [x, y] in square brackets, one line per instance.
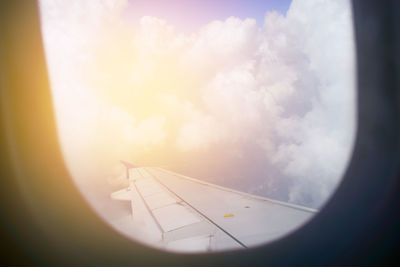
[188, 16]
[240, 95]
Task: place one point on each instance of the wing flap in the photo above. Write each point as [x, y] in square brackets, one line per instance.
[158, 212]
[201, 228]
[123, 194]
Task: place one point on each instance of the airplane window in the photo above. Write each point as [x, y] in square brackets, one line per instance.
[203, 125]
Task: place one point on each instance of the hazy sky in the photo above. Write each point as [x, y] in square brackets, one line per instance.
[190, 15]
[260, 101]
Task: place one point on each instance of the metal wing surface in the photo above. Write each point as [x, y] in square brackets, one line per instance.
[180, 213]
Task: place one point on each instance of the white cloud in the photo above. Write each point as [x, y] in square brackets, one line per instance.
[199, 132]
[282, 94]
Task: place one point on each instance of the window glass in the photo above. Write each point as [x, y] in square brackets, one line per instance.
[256, 96]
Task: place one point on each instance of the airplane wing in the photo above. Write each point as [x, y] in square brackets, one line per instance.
[180, 213]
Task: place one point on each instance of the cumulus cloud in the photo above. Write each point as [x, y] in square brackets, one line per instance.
[269, 110]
